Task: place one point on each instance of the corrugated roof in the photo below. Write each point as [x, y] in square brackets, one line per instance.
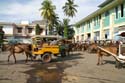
[40, 22]
[105, 3]
[6, 23]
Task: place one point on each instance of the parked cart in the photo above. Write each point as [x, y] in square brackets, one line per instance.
[41, 45]
[120, 56]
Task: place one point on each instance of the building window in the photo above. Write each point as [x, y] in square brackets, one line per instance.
[100, 16]
[30, 30]
[89, 24]
[89, 35]
[106, 13]
[97, 20]
[106, 34]
[19, 30]
[122, 10]
[116, 12]
[94, 21]
[83, 28]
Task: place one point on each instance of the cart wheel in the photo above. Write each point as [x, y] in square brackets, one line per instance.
[46, 58]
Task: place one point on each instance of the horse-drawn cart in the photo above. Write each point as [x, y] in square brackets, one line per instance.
[119, 54]
[120, 58]
[46, 46]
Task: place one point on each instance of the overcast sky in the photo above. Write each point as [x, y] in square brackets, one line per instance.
[28, 10]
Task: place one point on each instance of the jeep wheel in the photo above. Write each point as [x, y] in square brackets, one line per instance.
[46, 58]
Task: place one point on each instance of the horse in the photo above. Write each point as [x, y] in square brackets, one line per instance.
[19, 48]
[69, 48]
[78, 46]
[92, 48]
[85, 46]
[101, 53]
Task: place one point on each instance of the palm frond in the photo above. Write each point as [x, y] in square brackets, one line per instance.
[69, 8]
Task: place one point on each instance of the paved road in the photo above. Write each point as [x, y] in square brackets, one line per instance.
[80, 67]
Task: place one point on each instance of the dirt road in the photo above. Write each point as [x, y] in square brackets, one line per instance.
[77, 68]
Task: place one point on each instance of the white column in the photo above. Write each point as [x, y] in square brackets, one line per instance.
[101, 28]
[85, 33]
[92, 31]
[111, 29]
[23, 31]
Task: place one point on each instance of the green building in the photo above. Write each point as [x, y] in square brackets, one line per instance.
[104, 23]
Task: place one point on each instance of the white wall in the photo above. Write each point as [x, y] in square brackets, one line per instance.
[8, 29]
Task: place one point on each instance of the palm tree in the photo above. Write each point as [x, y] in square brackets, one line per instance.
[70, 8]
[64, 29]
[47, 11]
[70, 33]
[53, 23]
[60, 28]
[56, 24]
[68, 30]
[66, 25]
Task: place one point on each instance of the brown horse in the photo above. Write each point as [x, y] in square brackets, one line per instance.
[19, 48]
[92, 48]
[101, 53]
[85, 46]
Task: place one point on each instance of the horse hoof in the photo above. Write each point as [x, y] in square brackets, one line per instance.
[97, 64]
[33, 58]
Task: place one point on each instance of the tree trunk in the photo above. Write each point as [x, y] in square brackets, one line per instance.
[46, 28]
[65, 32]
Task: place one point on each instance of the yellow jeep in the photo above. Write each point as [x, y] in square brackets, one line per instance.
[41, 45]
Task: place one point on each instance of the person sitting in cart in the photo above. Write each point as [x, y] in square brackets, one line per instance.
[39, 44]
[53, 42]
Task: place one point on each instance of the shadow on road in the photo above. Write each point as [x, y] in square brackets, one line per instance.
[70, 57]
[50, 72]
[46, 73]
[12, 62]
[109, 62]
[58, 59]
[114, 63]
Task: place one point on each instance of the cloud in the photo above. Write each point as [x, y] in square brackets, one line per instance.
[29, 9]
[19, 8]
[21, 11]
